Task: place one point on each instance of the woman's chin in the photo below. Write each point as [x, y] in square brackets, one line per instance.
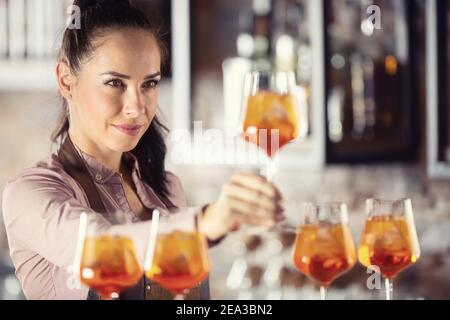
[125, 146]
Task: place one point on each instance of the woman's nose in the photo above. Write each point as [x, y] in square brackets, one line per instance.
[134, 104]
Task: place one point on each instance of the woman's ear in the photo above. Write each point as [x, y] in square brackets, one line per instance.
[65, 79]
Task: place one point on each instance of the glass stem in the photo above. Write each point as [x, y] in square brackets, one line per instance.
[389, 289]
[269, 169]
[179, 296]
[112, 296]
[323, 293]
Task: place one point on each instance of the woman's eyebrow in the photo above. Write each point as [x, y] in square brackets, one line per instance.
[124, 76]
[115, 74]
[153, 75]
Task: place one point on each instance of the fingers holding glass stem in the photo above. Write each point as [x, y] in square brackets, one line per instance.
[244, 199]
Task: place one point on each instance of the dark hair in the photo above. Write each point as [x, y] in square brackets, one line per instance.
[97, 18]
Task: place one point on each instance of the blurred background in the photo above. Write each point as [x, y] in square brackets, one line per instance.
[375, 77]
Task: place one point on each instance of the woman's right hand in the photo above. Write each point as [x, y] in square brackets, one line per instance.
[244, 199]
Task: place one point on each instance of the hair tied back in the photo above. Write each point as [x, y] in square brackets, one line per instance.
[86, 4]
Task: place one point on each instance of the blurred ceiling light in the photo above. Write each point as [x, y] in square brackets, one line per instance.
[261, 44]
[367, 27]
[391, 65]
[335, 114]
[261, 7]
[285, 52]
[245, 45]
[338, 61]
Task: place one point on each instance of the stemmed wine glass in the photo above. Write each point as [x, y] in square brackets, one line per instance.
[272, 113]
[324, 247]
[389, 242]
[177, 257]
[106, 258]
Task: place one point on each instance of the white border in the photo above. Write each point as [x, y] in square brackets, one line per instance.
[435, 169]
[181, 65]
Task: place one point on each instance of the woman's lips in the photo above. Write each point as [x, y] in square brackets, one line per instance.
[130, 130]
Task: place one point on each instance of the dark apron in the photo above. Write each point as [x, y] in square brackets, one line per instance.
[145, 289]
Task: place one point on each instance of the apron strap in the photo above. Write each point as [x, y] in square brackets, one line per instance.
[145, 289]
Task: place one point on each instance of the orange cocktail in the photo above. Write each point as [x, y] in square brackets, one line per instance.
[180, 261]
[324, 252]
[109, 265]
[270, 120]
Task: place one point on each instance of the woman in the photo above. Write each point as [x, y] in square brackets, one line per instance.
[111, 156]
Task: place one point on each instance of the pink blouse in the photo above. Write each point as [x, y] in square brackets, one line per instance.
[41, 209]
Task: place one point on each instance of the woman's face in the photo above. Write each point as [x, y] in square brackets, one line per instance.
[115, 94]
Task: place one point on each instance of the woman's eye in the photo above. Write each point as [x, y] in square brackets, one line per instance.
[115, 83]
[151, 84]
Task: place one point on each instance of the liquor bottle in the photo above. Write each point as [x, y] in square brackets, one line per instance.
[370, 108]
[253, 53]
